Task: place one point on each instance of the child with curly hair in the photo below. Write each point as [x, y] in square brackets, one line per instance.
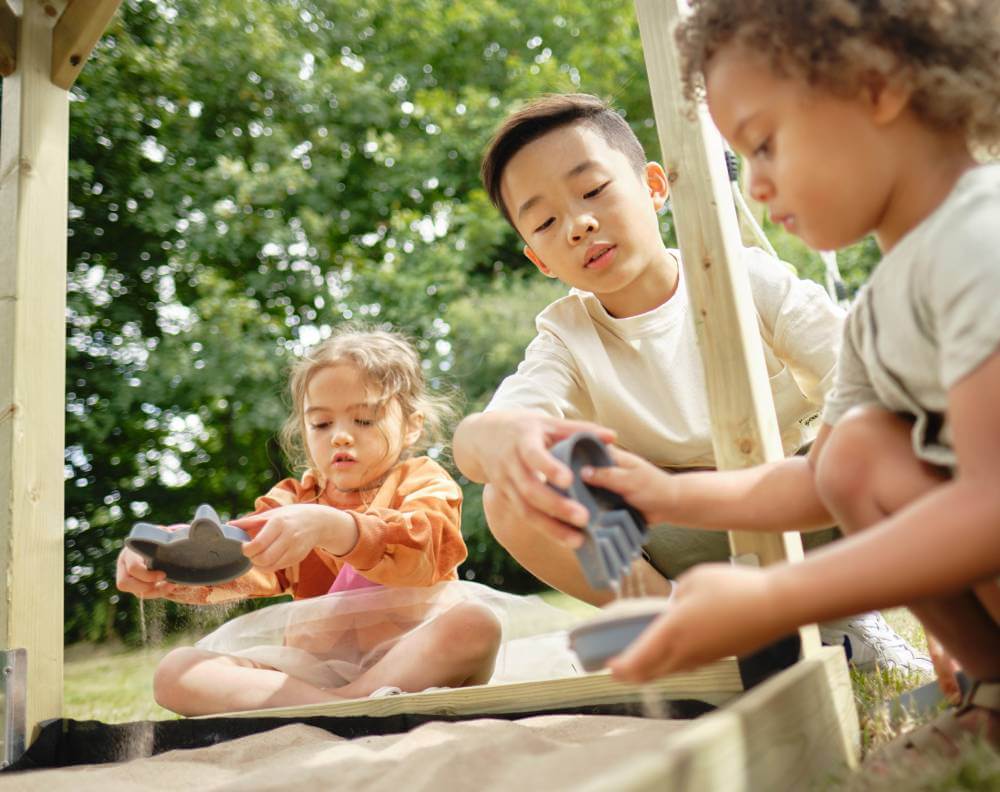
[371, 523]
[858, 117]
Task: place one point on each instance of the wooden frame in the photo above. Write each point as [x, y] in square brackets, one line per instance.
[795, 726]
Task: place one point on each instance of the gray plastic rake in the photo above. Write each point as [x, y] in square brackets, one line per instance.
[616, 532]
[205, 553]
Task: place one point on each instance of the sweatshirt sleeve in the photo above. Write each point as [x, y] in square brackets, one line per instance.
[419, 541]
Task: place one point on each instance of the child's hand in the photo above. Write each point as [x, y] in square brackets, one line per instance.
[642, 484]
[134, 577]
[290, 533]
[520, 464]
[716, 610]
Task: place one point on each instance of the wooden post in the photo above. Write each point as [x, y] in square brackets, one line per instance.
[744, 426]
[34, 147]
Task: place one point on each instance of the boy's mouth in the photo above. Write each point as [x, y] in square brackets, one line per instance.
[786, 220]
[599, 256]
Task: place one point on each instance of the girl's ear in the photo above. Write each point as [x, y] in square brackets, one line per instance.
[414, 428]
[659, 185]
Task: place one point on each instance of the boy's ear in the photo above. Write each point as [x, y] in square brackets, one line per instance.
[533, 258]
[414, 428]
[659, 186]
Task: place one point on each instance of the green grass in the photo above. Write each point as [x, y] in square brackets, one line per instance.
[113, 683]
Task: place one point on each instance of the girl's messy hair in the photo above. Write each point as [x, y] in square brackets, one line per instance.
[391, 366]
[947, 50]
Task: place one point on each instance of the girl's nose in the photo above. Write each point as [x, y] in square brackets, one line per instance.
[342, 437]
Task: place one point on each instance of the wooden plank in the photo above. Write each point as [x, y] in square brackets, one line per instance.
[714, 684]
[794, 731]
[744, 426]
[34, 145]
[79, 29]
[8, 40]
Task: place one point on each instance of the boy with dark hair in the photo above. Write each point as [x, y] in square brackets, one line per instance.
[619, 351]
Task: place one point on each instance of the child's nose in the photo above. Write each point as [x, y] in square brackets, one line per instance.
[342, 437]
[761, 188]
[582, 226]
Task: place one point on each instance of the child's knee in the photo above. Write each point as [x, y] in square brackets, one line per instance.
[166, 678]
[475, 628]
[496, 511]
[853, 449]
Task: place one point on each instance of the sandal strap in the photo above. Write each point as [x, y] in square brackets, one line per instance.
[983, 694]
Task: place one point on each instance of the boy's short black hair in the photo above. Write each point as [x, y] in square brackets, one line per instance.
[541, 116]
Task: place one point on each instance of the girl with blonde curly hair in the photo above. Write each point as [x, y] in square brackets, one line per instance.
[861, 117]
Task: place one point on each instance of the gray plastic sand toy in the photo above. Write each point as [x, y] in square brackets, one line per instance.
[205, 553]
[599, 639]
[616, 532]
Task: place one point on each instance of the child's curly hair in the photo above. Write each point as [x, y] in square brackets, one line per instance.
[389, 364]
[948, 50]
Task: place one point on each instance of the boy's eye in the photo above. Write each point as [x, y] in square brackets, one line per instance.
[544, 225]
[764, 149]
[596, 190]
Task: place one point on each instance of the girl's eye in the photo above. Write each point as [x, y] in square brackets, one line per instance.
[596, 191]
[544, 225]
[320, 426]
[363, 421]
[764, 149]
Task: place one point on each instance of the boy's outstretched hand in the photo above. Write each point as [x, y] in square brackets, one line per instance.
[716, 610]
[512, 447]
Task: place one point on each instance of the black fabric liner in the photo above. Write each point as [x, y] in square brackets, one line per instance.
[67, 742]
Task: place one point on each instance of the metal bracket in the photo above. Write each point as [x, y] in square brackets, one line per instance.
[13, 698]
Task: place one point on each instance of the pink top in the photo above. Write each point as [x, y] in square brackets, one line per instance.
[349, 579]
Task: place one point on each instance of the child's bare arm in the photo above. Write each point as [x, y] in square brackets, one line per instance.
[943, 542]
[510, 450]
[780, 496]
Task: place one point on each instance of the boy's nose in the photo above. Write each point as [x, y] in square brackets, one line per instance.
[761, 188]
[582, 227]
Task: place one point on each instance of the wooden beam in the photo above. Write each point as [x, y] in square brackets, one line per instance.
[79, 29]
[744, 425]
[715, 684]
[8, 40]
[794, 731]
[34, 146]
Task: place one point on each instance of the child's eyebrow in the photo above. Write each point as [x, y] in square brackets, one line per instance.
[738, 133]
[359, 405]
[576, 170]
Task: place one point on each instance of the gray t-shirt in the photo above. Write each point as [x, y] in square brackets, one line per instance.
[928, 317]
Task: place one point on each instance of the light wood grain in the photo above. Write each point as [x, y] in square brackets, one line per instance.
[714, 684]
[79, 29]
[33, 207]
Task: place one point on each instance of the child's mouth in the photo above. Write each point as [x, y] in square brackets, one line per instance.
[343, 460]
[600, 256]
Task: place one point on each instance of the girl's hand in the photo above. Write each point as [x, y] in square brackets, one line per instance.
[134, 577]
[716, 610]
[642, 484]
[290, 533]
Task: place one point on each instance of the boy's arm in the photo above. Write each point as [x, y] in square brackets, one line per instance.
[510, 450]
[942, 543]
[779, 496]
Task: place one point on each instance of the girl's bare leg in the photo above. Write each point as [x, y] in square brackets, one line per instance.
[192, 681]
[867, 471]
[456, 649]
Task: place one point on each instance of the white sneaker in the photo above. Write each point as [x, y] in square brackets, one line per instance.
[869, 641]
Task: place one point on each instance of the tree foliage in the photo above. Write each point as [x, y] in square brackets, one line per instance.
[246, 174]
